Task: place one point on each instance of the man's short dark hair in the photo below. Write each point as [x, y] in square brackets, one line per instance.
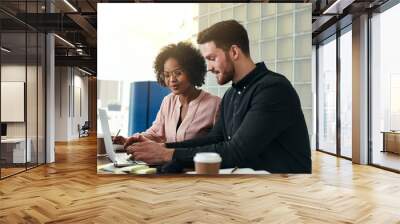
[225, 34]
[188, 57]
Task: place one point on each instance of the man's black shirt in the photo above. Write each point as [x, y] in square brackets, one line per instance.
[261, 126]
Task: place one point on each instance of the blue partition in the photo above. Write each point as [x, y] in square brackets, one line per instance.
[145, 101]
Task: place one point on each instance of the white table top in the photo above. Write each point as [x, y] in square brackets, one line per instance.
[13, 140]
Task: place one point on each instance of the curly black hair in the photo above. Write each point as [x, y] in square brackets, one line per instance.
[188, 57]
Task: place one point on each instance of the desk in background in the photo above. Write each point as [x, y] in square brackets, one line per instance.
[13, 150]
[391, 141]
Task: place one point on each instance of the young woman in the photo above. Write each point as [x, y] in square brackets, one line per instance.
[187, 112]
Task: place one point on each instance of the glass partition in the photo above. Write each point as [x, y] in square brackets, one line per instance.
[41, 96]
[22, 88]
[327, 96]
[346, 93]
[385, 89]
[31, 97]
[14, 152]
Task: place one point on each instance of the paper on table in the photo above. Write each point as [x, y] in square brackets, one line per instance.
[107, 167]
[242, 171]
[237, 171]
[111, 168]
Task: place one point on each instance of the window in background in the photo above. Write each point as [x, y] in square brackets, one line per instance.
[314, 97]
[114, 97]
[394, 102]
[127, 52]
[385, 89]
[346, 92]
[327, 95]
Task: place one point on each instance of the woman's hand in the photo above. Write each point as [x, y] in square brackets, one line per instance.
[133, 139]
[119, 140]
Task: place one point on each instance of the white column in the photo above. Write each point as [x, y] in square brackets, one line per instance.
[50, 109]
[50, 92]
[360, 90]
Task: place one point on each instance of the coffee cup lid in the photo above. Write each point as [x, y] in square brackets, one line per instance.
[207, 157]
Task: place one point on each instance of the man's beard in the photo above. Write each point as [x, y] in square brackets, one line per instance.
[229, 73]
[227, 76]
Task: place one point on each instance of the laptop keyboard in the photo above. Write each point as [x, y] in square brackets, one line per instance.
[122, 157]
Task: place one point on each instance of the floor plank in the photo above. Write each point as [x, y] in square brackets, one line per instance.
[70, 191]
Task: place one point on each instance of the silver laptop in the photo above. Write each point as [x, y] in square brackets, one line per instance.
[119, 159]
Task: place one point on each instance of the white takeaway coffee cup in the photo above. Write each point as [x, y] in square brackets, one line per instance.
[207, 162]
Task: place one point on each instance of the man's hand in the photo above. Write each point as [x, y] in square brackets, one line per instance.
[133, 139]
[119, 140]
[150, 152]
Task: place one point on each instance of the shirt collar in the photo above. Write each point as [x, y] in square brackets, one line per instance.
[250, 77]
[193, 102]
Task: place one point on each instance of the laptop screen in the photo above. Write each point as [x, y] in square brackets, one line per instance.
[106, 134]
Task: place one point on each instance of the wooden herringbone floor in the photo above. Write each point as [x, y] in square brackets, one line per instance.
[70, 191]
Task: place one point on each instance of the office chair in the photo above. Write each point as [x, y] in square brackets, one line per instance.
[84, 130]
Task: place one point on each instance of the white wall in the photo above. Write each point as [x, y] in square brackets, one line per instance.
[79, 117]
[69, 85]
[12, 73]
[33, 127]
[61, 103]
